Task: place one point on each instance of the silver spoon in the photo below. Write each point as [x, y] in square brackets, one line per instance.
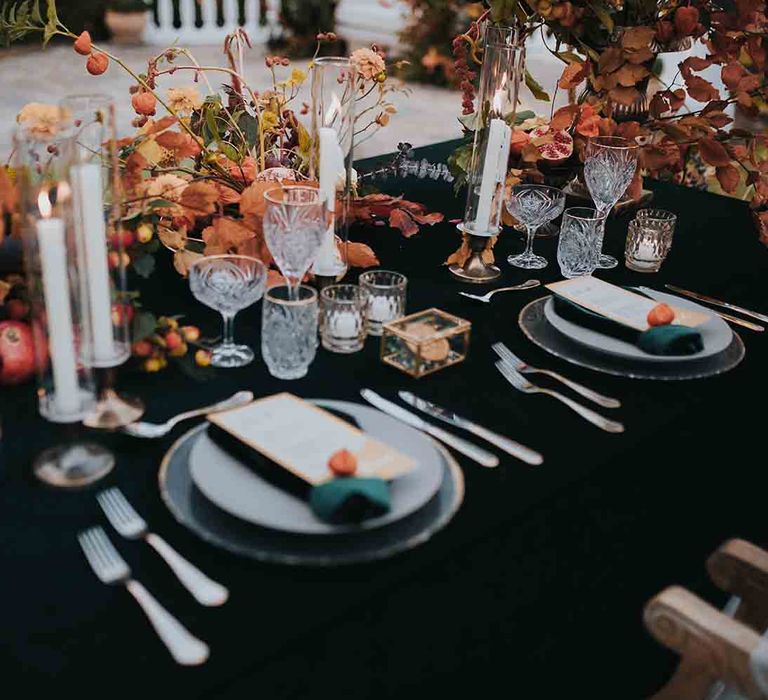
[530, 284]
[156, 430]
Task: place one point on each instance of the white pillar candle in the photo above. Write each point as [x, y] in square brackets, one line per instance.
[494, 171]
[89, 218]
[61, 338]
[327, 262]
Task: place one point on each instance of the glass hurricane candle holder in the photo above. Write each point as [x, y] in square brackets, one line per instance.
[344, 308]
[425, 342]
[334, 94]
[59, 309]
[500, 75]
[385, 291]
[649, 239]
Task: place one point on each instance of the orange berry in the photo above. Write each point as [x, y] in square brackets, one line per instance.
[144, 233]
[97, 63]
[142, 348]
[173, 340]
[179, 350]
[144, 103]
[83, 44]
[191, 333]
[660, 315]
[203, 358]
[342, 463]
[153, 364]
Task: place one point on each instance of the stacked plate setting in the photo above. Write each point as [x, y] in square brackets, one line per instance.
[722, 349]
[232, 506]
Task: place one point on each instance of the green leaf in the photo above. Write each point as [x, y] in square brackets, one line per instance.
[538, 91]
[229, 151]
[37, 18]
[250, 128]
[144, 324]
[570, 57]
[520, 117]
[160, 204]
[601, 12]
[144, 265]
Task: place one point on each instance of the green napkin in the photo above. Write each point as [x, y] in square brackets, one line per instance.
[657, 340]
[350, 499]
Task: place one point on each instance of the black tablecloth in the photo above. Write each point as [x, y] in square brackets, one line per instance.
[537, 586]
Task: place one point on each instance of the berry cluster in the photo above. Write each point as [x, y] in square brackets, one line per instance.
[463, 72]
[170, 340]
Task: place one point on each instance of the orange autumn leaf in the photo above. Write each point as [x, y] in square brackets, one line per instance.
[225, 234]
[400, 219]
[183, 260]
[610, 60]
[624, 95]
[637, 38]
[630, 75]
[227, 195]
[573, 75]
[274, 279]
[183, 145]
[686, 20]
[728, 177]
[643, 55]
[713, 152]
[200, 198]
[700, 89]
[158, 125]
[360, 255]
[252, 202]
[563, 117]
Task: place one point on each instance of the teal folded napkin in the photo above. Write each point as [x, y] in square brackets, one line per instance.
[657, 340]
[350, 499]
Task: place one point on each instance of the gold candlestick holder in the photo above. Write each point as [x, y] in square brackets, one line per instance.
[475, 270]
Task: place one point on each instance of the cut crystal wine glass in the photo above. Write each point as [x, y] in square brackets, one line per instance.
[228, 284]
[533, 206]
[609, 166]
[295, 222]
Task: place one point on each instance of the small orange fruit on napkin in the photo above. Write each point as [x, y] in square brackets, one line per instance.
[660, 315]
[342, 463]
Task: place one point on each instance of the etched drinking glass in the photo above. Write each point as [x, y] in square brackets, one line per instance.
[609, 166]
[386, 297]
[578, 250]
[228, 284]
[289, 331]
[533, 206]
[649, 239]
[295, 222]
[344, 308]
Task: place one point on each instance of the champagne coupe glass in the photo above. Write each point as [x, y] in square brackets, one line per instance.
[609, 166]
[295, 222]
[533, 206]
[228, 284]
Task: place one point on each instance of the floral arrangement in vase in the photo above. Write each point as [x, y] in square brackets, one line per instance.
[608, 49]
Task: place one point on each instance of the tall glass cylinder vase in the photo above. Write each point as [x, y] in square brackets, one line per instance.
[96, 199]
[335, 91]
[60, 314]
[500, 76]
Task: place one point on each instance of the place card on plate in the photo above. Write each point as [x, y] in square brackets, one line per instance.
[301, 437]
[619, 304]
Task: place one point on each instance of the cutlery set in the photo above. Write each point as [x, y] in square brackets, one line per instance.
[725, 305]
[111, 568]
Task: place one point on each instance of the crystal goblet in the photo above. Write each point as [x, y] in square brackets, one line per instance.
[295, 222]
[609, 166]
[533, 206]
[228, 284]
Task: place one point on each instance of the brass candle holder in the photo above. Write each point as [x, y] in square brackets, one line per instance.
[475, 270]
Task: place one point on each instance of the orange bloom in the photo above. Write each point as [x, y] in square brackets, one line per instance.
[83, 44]
[97, 63]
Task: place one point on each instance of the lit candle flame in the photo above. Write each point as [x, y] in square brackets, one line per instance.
[498, 96]
[44, 204]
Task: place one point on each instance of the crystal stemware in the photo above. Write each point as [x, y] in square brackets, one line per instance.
[533, 206]
[609, 166]
[228, 284]
[295, 222]
[578, 250]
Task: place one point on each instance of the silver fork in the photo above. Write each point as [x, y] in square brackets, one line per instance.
[111, 568]
[520, 383]
[529, 284]
[157, 430]
[524, 368]
[132, 526]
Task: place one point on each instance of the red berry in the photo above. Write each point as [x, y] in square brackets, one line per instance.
[17, 309]
[142, 348]
[173, 340]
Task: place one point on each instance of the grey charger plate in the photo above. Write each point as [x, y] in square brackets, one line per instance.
[238, 490]
[193, 510]
[536, 327]
[716, 334]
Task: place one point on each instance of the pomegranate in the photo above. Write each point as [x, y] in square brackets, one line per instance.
[17, 352]
[555, 145]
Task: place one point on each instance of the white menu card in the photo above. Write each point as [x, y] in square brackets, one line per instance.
[302, 437]
[619, 304]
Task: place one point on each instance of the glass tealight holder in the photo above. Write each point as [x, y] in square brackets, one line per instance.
[649, 239]
[386, 297]
[425, 342]
[344, 310]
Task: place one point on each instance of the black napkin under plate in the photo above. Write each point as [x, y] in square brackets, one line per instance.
[338, 500]
[658, 340]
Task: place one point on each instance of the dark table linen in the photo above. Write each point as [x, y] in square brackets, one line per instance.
[537, 584]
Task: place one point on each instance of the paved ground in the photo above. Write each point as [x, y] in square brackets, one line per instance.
[426, 115]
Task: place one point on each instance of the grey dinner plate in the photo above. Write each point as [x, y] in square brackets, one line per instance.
[241, 492]
[716, 334]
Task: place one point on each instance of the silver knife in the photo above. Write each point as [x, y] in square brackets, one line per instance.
[717, 302]
[510, 446]
[479, 455]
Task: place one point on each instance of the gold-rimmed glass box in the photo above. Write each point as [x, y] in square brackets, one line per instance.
[425, 342]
